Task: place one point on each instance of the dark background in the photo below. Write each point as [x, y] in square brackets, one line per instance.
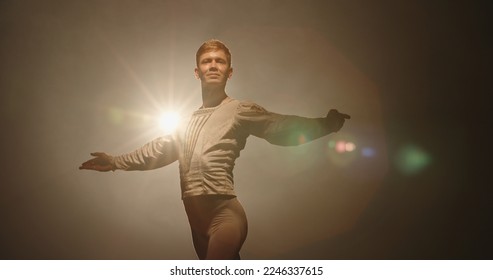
[82, 76]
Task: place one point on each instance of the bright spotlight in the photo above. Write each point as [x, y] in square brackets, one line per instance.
[169, 121]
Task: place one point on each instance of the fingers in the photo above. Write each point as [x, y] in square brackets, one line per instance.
[91, 165]
[96, 168]
[100, 162]
[334, 112]
[98, 154]
[86, 163]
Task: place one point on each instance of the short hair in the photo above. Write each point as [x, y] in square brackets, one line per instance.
[213, 45]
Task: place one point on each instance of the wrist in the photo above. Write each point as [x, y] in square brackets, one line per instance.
[113, 163]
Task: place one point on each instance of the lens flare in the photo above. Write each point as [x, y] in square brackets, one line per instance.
[341, 150]
[412, 159]
[169, 121]
[115, 115]
[368, 152]
[302, 139]
[342, 146]
[350, 146]
[332, 144]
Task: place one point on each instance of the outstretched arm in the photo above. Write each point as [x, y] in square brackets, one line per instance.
[287, 130]
[155, 154]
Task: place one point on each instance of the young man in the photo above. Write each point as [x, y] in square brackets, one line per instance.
[207, 148]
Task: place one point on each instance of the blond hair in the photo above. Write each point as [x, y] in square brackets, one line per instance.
[213, 45]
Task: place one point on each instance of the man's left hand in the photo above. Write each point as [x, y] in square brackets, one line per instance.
[335, 120]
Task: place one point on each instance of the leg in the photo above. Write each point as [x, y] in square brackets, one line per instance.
[200, 244]
[218, 224]
[227, 232]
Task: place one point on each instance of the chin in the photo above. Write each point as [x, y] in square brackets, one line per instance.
[214, 83]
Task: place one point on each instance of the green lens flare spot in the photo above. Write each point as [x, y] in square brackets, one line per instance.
[332, 144]
[115, 115]
[412, 160]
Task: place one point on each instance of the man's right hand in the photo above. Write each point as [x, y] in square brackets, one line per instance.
[101, 162]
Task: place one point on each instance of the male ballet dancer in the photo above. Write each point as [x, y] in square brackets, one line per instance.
[207, 148]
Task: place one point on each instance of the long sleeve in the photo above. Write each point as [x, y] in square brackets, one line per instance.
[157, 153]
[283, 130]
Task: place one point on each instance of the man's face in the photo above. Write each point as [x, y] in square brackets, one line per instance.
[213, 68]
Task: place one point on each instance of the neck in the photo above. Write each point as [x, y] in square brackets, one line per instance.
[212, 97]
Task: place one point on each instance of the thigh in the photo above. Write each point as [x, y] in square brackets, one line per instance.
[200, 244]
[228, 231]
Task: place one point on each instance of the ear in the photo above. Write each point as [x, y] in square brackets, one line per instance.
[230, 73]
[197, 73]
